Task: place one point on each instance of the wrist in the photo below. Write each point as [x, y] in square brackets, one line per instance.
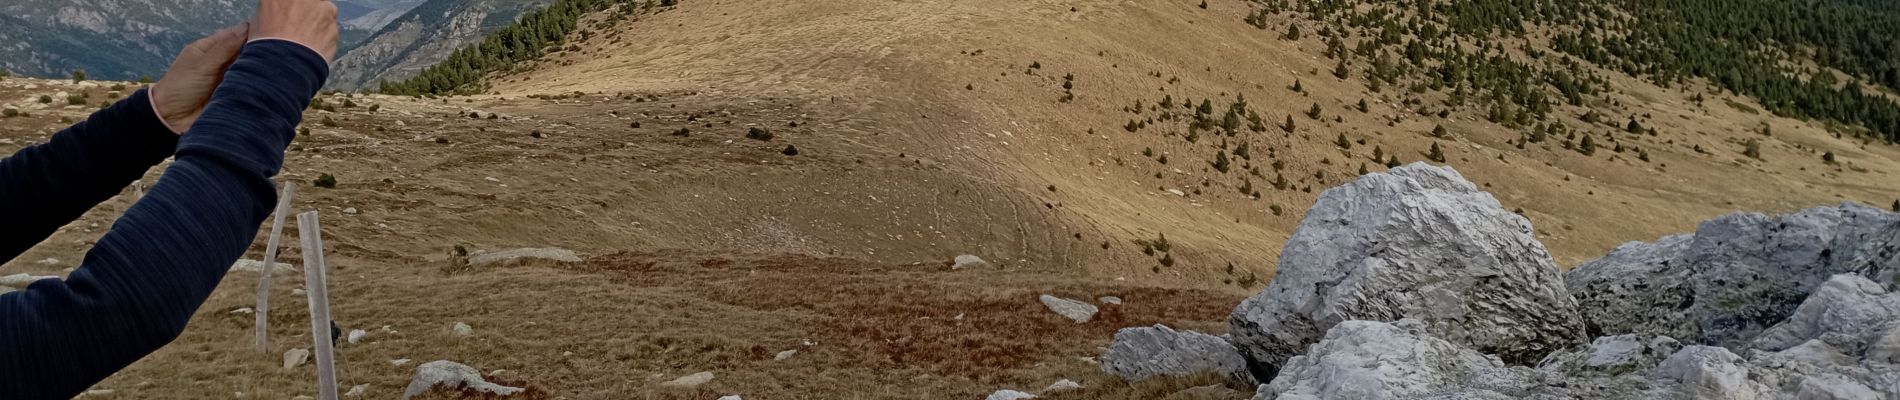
[174, 120]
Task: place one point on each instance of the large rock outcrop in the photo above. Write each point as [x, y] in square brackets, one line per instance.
[1736, 276]
[1419, 242]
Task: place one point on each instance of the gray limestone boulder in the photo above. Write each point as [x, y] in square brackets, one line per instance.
[1848, 312]
[453, 375]
[1074, 310]
[1139, 354]
[516, 256]
[1736, 276]
[1376, 360]
[1418, 242]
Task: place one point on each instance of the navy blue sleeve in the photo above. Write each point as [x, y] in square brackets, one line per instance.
[47, 186]
[141, 283]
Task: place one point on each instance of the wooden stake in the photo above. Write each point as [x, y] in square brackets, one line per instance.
[316, 285]
[270, 263]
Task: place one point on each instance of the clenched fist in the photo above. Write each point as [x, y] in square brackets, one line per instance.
[180, 96]
[311, 23]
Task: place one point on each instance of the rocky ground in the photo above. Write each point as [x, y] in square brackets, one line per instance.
[1426, 288]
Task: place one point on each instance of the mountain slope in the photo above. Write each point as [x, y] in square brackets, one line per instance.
[959, 83]
[421, 37]
[110, 39]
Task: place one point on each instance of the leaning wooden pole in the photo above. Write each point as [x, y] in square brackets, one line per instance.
[317, 286]
[270, 263]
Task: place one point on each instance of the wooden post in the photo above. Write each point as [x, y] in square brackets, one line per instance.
[270, 263]
[316, 285]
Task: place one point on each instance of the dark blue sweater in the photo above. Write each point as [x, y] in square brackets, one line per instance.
[141, 283]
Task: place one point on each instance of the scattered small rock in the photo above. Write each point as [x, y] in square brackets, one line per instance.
[462, 329]
[690, 381]
[399, 362]
[21, 281]
[1109, 300]
[730, 397]
[357, 335]
[1062, 385]
[295, 358]
[968, 261]
[1077, 311]
[785, 355]
[1007, 394]
[511, 257]
[357, 390]
[255, 266]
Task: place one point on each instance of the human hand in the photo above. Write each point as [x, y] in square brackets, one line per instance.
[311, 23]
[193, 75]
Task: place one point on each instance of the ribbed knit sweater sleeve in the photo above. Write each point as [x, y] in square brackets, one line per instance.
[141, 283]
[46, 186]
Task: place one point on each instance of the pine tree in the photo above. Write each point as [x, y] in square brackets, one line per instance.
[1342, 142]
[1392, 161]
[1220, 162]
[1435, 154]
[1289, 127]
[1440, 131]
[1752, 149]
[1362, 105]
[1633, 127]
[1827, 157]
[1588, 147]
[1340, 71]
[79, 75]
[1298, 86]
[1314, 112]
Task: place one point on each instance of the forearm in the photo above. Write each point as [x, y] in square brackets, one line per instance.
[47, 186]
[140, 285]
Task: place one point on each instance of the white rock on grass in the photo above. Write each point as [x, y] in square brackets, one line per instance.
[21, 281]
[1062, 385]
[1077, 311]
[463, 330]
[1418, 242]
[968, 261]
[255, 266]
[690, 381]
[356, 335]
[516, 256]
[731, 397]
[295, 358]
[1377, 360]
[785, 355]
[399, 362]
[1142, 353]
[454, 376]
[357, 390]
[1736, 275]
[1105, 300]
[1007, 394]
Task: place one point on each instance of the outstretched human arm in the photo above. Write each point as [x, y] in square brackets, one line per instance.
[139, 286]
[46, 186]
